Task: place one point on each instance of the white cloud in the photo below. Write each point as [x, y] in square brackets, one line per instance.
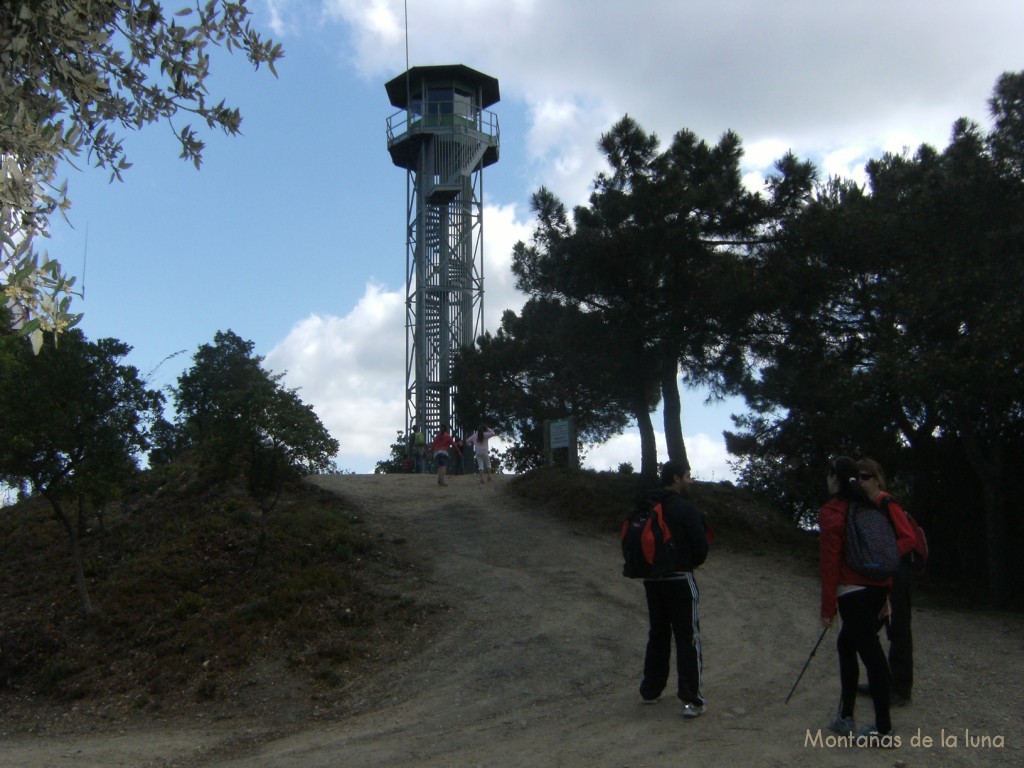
[378, 33]
[824, 76]
[847, 163]
[764, 153]
[708, 458]
[352, 371]
[277, 22]
[562, 144]
[502, 230]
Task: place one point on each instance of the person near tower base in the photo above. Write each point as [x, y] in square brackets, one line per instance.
[481, 450]
[440, 447]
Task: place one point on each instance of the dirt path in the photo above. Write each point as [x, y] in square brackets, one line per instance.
[540, 660]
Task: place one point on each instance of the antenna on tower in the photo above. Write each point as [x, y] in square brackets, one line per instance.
[408, 89]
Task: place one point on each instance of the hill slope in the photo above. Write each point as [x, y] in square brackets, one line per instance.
[534, 654]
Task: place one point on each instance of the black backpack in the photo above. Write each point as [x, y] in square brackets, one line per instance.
[871, 542]
[648, 550]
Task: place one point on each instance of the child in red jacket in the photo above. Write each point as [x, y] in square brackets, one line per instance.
[442, 443]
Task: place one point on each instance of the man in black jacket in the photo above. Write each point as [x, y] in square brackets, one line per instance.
[672, 599]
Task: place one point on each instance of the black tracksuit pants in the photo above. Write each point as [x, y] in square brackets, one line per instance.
[672, 606]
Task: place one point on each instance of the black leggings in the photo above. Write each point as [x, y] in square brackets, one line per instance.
[859, 637]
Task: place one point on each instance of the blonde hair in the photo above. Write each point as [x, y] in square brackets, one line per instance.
[872, 467]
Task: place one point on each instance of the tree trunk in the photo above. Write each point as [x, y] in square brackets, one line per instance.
[673, 411]
[996, 536]
[82, 523]
[76, 553]
[988, 465]
[648, 445]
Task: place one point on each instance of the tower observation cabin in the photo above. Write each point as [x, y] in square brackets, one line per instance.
[443, 137]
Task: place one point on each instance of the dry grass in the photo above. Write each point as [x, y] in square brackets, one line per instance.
[740, 520]
[187, 604]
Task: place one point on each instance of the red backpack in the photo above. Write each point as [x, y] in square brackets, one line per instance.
[648, 551]
[919, 554]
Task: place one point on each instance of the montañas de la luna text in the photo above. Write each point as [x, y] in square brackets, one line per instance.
[945, 740]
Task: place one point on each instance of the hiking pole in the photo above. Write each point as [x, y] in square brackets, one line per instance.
[807, 664]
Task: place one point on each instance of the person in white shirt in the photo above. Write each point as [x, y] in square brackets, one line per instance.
[479, 440]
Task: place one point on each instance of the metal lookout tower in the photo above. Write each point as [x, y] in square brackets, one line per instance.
[444, 137]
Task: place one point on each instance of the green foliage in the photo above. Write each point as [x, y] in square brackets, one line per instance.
[546, 363]
[660, 260]
[239, 421]
[75, 74]
[398, 462]
[897, 334]
[74, 418]
[72, 424]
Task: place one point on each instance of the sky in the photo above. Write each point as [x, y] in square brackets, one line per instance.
[292, 234]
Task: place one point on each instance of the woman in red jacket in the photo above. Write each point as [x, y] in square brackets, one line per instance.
[898, 627]
[860, 602]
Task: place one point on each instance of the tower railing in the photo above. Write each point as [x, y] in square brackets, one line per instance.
[480, 123]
